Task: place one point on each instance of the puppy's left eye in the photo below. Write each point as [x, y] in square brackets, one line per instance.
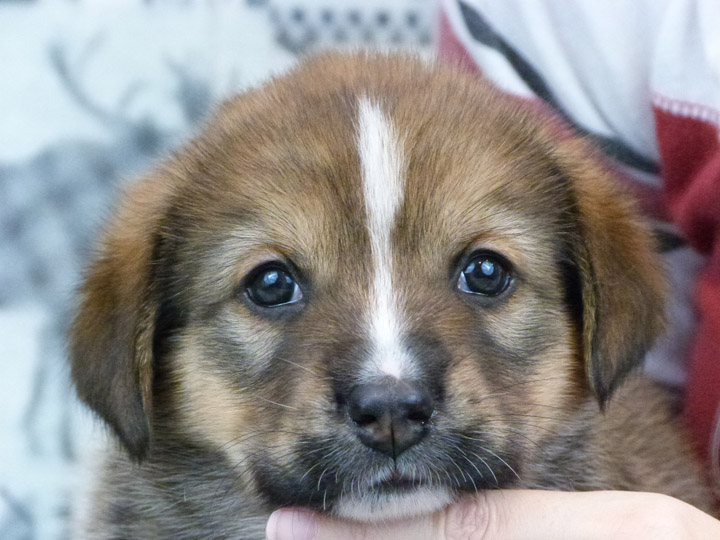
[272, 286]
[485, 274]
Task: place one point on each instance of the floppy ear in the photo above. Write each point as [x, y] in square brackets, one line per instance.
[111, 338]
[621, 282]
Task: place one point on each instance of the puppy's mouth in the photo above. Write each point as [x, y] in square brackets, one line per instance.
[395, 496]
[397, 482]
[349, 480]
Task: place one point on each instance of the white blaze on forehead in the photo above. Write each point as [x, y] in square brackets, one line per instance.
[383, 174]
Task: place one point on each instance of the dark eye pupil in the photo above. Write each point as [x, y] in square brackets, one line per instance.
[486, 276]
[271, 287]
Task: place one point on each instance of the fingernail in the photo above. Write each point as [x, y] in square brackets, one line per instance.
[291, 525]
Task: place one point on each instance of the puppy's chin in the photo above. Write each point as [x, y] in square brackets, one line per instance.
[375, 506]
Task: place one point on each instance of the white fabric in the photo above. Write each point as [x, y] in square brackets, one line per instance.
[609, 62]
[595, 57]
[685, 78]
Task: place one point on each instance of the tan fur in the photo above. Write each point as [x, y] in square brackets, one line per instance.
[117, 313]
[234, 411]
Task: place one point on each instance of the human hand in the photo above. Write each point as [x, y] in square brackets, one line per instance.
[519, 515]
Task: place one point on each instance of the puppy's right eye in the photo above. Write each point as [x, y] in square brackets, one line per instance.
[273, 286]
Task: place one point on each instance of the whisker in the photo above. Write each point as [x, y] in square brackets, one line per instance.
[464, 455]
[276, 403]
[306, 368]
[502, 461]
[309, 471]
[488, 467]
[321, 477]
[502, 389]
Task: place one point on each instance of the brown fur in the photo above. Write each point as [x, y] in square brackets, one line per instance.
[230, 411]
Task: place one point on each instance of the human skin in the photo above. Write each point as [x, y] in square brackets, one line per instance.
[519, 515]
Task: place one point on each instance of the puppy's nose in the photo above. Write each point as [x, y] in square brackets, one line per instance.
[391, 416]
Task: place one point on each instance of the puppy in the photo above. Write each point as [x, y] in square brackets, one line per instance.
[370, 287]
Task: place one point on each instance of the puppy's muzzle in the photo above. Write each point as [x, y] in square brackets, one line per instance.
[391, 415]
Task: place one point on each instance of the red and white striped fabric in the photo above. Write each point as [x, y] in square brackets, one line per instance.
[641, 79]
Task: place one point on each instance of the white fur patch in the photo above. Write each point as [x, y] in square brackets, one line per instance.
[383, 173]
[379, 507]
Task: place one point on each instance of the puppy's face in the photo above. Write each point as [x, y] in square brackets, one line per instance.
[370, 286]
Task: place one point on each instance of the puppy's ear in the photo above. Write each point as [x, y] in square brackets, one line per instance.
[111, 338]
[619, 275]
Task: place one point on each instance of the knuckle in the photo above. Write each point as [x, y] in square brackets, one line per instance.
[474, 518]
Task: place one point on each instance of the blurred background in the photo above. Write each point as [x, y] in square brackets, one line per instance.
[91, 92]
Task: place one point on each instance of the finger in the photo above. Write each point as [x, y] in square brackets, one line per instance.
[517, 515]
[496, 515]
[554, 515]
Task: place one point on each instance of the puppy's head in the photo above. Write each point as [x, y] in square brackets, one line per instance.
[370, 285]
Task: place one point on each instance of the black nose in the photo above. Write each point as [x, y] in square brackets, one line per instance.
[390, 416]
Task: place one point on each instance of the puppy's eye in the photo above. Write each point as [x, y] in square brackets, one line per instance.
[272, 286]
[486, 274]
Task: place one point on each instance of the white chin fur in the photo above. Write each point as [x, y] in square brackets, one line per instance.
[378, 507]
